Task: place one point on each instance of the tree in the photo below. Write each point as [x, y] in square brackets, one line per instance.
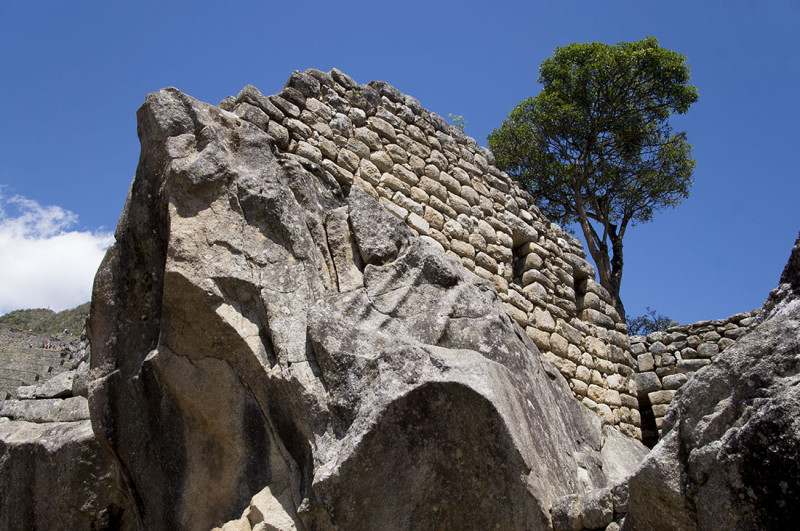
[595, 146]
[649, 322]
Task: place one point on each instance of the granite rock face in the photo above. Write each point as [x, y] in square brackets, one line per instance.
[730, 454]
[273, 348]
[54, 475]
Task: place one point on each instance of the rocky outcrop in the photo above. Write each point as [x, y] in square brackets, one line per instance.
[273, 348]
[730, 454]
[55, 476]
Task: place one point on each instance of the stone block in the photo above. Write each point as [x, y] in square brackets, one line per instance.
[725, 343]
[605, 366]
[484, 274]
[500, 284]
[579, 387]
[631, 402]
[674, 381]
[520, 301]
[279, 133]
[647, 382]
[408, 203]
[418, 223]
[638, 348]
[59, 386]
[693, 341]
[368, 137]
[692, 365]
[541, 338]
[393, 183]
[543, 320]
[470, 195]
[74, 409]
[657, 348]
[486, 262]
[348, 160]
[605, 412]
[382, 127]
[458, 204]
[645, 362]
[538, 292]
[405, 175]
[597, 318]
[395, 209]
[26, 392]
[382, 161]
[597, 393]
[462, 248]
[596, 347]
[396, 153]
[574, 353]
[707, 350]
[564, 366]
[659, 410]
[661, 397]
[559, 345]
[736, 333]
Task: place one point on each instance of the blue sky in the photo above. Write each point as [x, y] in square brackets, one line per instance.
[74, 74]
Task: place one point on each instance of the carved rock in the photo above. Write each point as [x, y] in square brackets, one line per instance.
[267, 341]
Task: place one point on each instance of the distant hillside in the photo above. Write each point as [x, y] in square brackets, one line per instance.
[41, 321]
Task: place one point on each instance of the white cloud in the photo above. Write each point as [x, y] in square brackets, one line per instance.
[44, 264]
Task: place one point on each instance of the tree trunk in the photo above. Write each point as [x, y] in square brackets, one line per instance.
[608, 269]
[615, 279]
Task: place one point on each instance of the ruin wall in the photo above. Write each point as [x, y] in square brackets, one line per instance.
[666, 360]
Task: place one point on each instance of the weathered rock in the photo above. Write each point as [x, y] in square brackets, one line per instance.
[730, 453]
[598, 509]
[59, 386]
[248, 352]
[55, 476]
[566, 513]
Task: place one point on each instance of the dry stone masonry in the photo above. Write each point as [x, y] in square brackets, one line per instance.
[448, 191]
[666, 360]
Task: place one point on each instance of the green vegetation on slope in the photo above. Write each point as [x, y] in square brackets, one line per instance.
[42, 321]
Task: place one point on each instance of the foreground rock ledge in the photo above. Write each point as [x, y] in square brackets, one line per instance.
[259, 330]
[730, 455]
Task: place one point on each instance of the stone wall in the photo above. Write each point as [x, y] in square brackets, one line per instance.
[28, 359]
[449, 192]
[666, 360]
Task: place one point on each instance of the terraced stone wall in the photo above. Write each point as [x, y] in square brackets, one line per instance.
[26, 359]
[666, 360]
[449, 192]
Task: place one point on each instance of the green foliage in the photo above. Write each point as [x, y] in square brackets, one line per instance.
[595, 146]
[42, 321]
[458, 120]
[649, 322]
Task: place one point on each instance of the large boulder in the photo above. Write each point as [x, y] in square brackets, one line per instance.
[54, 475]
[270, 346]
[730, 454]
